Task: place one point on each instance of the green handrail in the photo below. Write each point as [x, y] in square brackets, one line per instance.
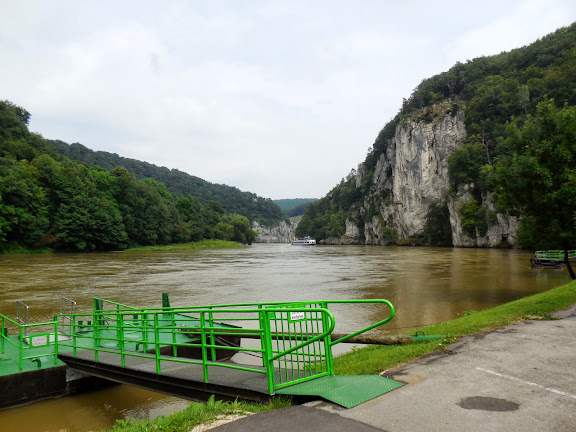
[293, 350]
[21, 346]
[207, 342]
[554, 255]
[370, 327]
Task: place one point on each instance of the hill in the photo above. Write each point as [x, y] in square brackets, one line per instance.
[48, 200]
[295, 206]
[179, 183]
[426, 178]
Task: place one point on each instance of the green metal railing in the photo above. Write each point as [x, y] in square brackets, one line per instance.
[555, 255]
[294, 338]
[30, 339]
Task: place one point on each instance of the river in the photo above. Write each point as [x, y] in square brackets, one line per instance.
[426, 286]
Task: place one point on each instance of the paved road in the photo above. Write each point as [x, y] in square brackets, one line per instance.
[518, 378]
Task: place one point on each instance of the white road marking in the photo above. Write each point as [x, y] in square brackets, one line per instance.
[510, 377]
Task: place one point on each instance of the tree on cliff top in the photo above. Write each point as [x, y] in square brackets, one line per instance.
[538, 178]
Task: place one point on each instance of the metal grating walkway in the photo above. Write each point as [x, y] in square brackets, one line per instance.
[345, 390]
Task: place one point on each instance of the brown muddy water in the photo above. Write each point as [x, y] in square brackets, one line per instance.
[425, 285]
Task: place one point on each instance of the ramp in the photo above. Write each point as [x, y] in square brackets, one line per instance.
[345, 390]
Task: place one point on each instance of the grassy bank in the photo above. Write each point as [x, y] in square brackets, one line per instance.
[375, 359]
[201, 245]
[195, 414]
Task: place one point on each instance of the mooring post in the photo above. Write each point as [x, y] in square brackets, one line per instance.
[165, 300]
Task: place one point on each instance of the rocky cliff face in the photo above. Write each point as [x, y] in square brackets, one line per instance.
[283, 233]
[411, 176]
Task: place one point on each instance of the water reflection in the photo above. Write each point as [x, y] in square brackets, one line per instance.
[425, 285]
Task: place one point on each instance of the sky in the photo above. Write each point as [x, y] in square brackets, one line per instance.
[279, 98]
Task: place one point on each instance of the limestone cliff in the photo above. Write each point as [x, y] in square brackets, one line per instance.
[282, 233]
[409, 177]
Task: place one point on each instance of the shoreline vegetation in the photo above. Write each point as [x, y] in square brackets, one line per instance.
[191, 246]
[375, 359]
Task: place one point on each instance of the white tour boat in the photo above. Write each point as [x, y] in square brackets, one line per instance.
[306, 241]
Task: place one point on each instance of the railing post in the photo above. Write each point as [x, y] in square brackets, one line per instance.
[56, 348]
[157, 343]
[74, 335]
[173, 325]
[267, 350]
[212, 340]
[97, 321]
[203, 342]
[120, 333]
[327, 340]
[21, 349]
[4, 335]
[98, 311]
[261, 317]
[145, 332]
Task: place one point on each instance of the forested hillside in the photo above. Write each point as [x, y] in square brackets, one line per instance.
[233, 200]
[294, 206]
[48, 200]
[496, 96]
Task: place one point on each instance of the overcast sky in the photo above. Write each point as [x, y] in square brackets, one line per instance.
[280, 98]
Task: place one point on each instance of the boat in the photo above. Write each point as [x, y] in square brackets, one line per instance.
[305, 241]
[551, 258]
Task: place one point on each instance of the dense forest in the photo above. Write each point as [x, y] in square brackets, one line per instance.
[49, 200]
[294, 206]
[499, 94]
[233, 200]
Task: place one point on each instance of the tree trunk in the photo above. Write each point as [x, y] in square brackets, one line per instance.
[567, 262]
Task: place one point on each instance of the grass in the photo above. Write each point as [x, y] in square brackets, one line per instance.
[200, 245]
[15, 249]
[375, 359]
[195, 414]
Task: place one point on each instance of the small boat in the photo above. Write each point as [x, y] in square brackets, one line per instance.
[306, 241]
[551, 258]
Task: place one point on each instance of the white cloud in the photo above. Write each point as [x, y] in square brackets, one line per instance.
[278, 98]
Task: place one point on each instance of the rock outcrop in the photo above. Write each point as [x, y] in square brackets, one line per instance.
[282, 233]
[409, 177]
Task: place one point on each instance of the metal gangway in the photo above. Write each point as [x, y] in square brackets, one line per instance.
[194, 351]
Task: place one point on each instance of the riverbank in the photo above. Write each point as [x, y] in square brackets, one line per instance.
[195, 246]
[376, 359]
[197, 414]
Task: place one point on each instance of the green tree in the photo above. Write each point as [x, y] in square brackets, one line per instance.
[437, 230]
[539, 180]
[465, 163]
[23, 208]
[236, 228]
[89, 224]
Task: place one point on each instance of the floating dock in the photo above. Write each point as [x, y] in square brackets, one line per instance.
[186, 351]
[551, 259]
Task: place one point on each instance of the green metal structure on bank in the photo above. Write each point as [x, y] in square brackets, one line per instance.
[193, 347]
